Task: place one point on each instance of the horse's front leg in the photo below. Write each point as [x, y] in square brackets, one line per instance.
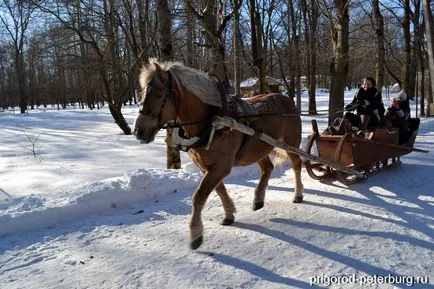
[209, 181]
[266, 167]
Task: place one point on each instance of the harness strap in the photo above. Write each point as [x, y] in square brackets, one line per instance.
[186, 144]
[247, 140]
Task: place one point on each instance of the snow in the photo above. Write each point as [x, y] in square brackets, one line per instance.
[96, 209]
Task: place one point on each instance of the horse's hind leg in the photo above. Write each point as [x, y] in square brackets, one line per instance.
[266, 167]
[228, 204]
[296, 166]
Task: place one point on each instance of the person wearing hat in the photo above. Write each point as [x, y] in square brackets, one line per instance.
[399, 106]
[368, 105]
[397, 115]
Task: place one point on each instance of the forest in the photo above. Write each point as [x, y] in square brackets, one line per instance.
[88, 53]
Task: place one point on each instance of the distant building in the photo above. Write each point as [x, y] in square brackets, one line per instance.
[250, 86]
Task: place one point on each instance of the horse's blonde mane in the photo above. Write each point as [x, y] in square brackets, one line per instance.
[188, 80]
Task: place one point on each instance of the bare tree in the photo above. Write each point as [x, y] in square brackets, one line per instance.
[339, 63]
[166, 50]
[310, 18]
[105, 43]
[408, 69]
[91, 51]
[214, 24]
[164, 22]
[380, 51]
[237, 47]
[16, 21]
[429, 27]
[257, 46]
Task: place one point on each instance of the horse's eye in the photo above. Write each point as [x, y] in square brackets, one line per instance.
[148, 89]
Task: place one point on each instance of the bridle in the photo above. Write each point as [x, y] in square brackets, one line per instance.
[146, 110]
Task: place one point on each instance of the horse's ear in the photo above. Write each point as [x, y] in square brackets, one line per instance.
[158, 69]
[162, 74]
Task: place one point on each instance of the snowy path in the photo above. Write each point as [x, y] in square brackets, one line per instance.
[338, 231]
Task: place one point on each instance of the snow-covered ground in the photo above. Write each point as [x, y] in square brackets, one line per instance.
[95, 209]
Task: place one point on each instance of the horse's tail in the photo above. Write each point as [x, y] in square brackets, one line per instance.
[280, 156]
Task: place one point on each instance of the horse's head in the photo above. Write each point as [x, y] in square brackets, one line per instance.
[157, 103]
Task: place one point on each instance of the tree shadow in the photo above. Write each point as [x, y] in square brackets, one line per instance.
[381, 234]
[352, 212]
[256, 270]
[407, 189]
[358, 265]
[4, 195]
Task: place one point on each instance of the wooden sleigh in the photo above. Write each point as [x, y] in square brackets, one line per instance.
[376, 151]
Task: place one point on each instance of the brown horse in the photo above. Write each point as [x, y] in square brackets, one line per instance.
[172, 91]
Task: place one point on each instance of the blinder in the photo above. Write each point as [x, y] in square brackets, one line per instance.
[146, 110]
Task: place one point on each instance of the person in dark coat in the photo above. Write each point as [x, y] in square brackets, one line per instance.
[368, 105]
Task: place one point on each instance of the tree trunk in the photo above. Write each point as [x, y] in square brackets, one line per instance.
[143, 14]
[256, 50]
[422, 88]
[379, 57]
[407, 69]
[430, 38]
[21, 77]
[117, 115]
[213, 34]
[339, 63]
[310, 18]
[237, 54]
[164, 30]
[190, 40]
[418, 52]
[166, 51]
[296, 34]
[261, 59]
[254, 35]
[292, 53]
[312, 58]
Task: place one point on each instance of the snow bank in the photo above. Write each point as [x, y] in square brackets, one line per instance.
[35, 211]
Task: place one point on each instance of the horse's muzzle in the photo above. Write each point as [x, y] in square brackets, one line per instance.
[145, 137]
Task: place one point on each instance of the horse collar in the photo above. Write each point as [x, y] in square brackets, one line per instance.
[184, 144]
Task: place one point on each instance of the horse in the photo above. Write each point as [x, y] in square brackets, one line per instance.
[174, 92]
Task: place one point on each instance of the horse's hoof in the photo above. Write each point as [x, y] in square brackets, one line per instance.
[258, 205]
[298, 200]
[227, 221]
[196, 243]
